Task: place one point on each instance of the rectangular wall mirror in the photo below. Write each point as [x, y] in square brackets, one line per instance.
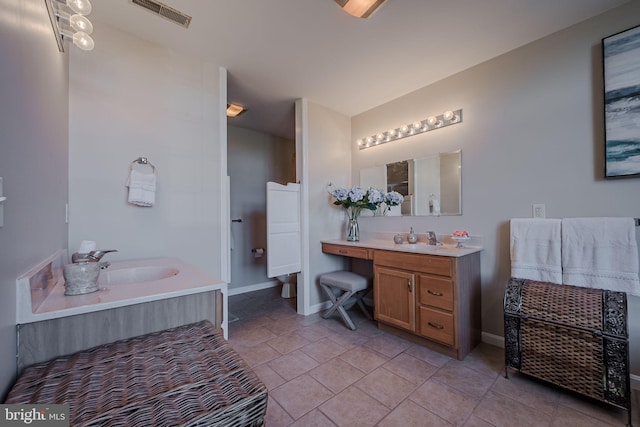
[430, 185]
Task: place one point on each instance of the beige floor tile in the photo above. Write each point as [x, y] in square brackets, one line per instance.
[427, 355]
[409, 414]
[464, 379]
[386, 387]
[388, 345]
[474, 421]
[528, 391]
[269, 377]
[336, 374]
[446, 402]
[567, 417]
[300, 396]
[323, 350]
[347, 339]
[501, 411]
[410, 368]
[354, 408]
[364, 359]
[314, 418]
[250, 336]
[292, 365]
[276, 416]
[486, 359]
[257, 354]
[594, 409]
[314, 332]
[287, 343]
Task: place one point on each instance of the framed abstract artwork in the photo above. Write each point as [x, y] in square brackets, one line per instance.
[621, 59]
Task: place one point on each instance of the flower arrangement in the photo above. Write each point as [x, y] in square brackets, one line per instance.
[355, 199]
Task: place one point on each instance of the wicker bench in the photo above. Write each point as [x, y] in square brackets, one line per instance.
[185, 376]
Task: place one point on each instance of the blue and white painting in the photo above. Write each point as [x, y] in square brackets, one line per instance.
[621, 54]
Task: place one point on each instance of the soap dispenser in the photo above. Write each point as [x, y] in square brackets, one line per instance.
[413, 237]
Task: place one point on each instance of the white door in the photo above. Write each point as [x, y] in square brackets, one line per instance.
[283, 229]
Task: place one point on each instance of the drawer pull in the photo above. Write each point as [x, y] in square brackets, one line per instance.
[435, 325]
[409, 285]
[438, 294]
[343, 251]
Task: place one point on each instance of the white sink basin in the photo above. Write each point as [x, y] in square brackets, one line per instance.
[127, 276]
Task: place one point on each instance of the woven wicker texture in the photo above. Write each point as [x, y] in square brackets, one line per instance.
[568, 305]
[564, 356]
[186, 376]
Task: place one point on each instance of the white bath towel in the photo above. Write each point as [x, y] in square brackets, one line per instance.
[535, 249]
[600, 253]
[142, 187]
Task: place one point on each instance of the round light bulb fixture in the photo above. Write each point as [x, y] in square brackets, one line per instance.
[432, 120]
[369, 139]
[80, 23]
[380, 136]
[391, 132]
[404, 129]
[82, 7]
[83, 41]
[417, 125]
[359, 142]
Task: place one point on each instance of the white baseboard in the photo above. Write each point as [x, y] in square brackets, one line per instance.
[254, 287]
[491, 339]
[319, 307]
[635, 382]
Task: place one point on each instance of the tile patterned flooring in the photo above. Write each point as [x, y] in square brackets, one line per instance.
[319, 373]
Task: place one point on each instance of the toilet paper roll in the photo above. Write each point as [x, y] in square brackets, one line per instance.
[257, 252]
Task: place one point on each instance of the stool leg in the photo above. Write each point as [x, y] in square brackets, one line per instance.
[332, 297]
[346, 318]
[337, 305]
[364, 309]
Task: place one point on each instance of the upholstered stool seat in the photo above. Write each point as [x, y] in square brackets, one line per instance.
[345, 289]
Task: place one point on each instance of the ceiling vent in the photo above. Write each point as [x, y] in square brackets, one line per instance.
[165, 11]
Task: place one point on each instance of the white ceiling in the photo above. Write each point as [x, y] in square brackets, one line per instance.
[276, 51]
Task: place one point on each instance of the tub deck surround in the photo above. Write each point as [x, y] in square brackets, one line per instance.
[40, 292]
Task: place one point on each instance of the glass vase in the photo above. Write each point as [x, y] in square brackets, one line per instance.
[353, 232]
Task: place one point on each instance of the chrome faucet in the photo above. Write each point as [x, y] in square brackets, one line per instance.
[93, 256]
[433, 240]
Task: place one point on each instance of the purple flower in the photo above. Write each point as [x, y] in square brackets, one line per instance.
[393, 198]
[356, 194]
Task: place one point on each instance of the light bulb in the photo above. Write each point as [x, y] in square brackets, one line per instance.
[359, 142]
[83, 41]
[380, 136]
[417, 125]
[369, 139]
[83, 7]
[391, 132]
[432, 120]
[404, 129]
[80, 23]
[448, 115]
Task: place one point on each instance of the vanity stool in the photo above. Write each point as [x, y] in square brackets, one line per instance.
[345, 289]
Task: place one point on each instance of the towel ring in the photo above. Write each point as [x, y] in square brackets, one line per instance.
[142, 161]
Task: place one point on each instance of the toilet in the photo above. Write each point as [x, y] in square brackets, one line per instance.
[288, 285]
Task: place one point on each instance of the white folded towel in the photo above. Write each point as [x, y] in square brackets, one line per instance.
[535, 249]
[600, 253]
[142, 187]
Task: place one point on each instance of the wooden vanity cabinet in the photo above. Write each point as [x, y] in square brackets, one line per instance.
[435, 299]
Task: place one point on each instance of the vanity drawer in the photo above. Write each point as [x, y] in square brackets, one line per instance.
[437, 325]
[439, 265]
[349, 251]
[436, 292]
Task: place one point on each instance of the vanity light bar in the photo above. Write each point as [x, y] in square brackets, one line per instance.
[448, 118]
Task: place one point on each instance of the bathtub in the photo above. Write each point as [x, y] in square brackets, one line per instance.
[40, 291]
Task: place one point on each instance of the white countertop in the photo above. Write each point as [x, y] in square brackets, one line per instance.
[189, 280]
[449, 250]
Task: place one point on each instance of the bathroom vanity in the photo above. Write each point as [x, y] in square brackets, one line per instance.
[427, 294]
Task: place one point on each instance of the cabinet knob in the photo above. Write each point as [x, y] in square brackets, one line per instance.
[410, 285]
[437, 294]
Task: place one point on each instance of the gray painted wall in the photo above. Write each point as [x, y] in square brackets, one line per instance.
[33, 156]
[253, 158]
[532, 133]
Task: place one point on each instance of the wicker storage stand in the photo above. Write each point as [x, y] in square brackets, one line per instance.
[185, 376]
[570, 336]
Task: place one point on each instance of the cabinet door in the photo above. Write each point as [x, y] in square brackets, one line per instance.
[394, 294]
